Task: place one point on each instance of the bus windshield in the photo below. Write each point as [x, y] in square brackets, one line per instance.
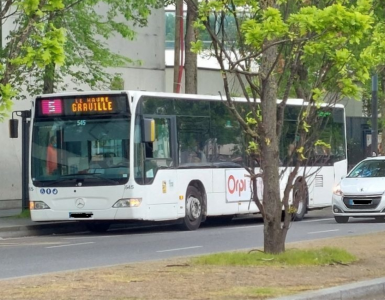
[83, 151]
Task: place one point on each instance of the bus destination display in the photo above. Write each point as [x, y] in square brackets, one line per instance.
[92, 104]
[85, 105]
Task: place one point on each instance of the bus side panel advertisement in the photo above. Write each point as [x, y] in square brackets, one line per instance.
[237, 185]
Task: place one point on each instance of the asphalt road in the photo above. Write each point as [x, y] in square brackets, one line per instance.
[44, 254]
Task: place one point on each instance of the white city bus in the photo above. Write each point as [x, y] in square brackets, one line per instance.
[100, 157]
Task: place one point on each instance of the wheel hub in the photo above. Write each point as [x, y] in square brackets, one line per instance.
[194, 208]
[299, 200]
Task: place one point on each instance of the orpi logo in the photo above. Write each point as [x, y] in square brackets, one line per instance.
[236, 185]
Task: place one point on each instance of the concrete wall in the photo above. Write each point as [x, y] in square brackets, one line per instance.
[210, 82]
[353, 108]
[148, 48]
[10, 163]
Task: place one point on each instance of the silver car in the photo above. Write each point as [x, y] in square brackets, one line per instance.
[361, 193]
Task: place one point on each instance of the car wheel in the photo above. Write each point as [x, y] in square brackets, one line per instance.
[340, 219]
[194, 213]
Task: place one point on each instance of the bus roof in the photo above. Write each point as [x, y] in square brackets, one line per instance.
[290, 101]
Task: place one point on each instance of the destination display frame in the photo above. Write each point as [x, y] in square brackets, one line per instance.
[82, 105]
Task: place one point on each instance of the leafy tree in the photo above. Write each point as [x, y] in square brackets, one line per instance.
[320, 50]
[88, 24]
[33, 45]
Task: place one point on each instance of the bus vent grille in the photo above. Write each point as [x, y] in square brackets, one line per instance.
[319, 180]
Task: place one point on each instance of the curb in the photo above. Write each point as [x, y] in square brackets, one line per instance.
[359, 290]
[41, 229]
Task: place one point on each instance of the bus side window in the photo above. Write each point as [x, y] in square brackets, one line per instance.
[150, 166]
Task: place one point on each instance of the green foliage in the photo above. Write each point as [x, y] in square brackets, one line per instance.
[322, 144]
[292, 257]
[253, 148]
[48, 48]
[73, 38]
[271, 26]
[197, 47]
[117, 83]
[29, 45]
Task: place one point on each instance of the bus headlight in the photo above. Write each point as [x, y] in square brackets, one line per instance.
[129, 202]
[38, 205]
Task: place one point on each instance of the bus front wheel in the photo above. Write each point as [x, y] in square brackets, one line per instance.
[193, 217]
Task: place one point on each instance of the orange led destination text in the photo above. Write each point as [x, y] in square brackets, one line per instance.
[92, 104]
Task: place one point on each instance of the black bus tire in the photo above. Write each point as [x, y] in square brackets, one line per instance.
[194, 209]
[300, 200]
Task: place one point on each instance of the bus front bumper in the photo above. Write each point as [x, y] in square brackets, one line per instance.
[134, 213]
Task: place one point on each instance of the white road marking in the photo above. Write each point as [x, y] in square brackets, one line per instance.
[122, 235]
[254, 226]
[69, 245]
[318, 220]
[92, 237]
[315, 232]
[243, 227]
[178, 249]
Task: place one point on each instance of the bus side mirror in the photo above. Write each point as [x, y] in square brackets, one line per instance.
[148, 130]
[13, 128]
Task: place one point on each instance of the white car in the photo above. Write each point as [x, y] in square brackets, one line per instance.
[361, 193]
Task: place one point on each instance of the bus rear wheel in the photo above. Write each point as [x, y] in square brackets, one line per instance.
[98, 226]
[300, 200]
[193, 217]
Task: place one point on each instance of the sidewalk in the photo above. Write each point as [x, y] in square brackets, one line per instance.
[12, 226]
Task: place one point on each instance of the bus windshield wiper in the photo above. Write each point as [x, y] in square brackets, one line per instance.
[76, 176]
[96, 175]
[62, 179]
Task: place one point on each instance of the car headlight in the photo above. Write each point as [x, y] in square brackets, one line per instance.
[38, 205]
[129, 202]
[337, 190]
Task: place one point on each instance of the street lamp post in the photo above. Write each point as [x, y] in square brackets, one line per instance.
[375, 113]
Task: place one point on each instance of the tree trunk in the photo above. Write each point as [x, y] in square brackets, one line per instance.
[177, 48]
[48, 77]
[191, 70]
[274, 233]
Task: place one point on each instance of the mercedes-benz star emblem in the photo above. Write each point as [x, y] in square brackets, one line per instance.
[80, 203]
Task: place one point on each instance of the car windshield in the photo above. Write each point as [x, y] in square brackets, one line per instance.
[369, 168]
